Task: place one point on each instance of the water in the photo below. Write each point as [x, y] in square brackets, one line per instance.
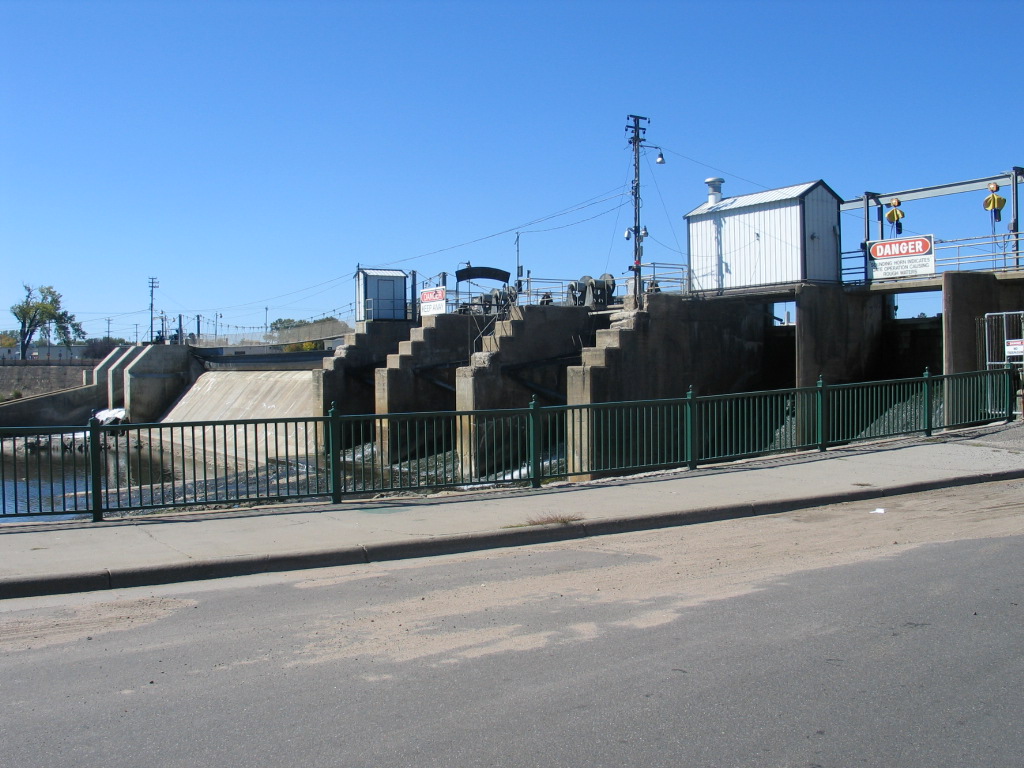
[52, 474]
[52, 481]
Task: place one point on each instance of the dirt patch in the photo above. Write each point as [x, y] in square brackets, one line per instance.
[83, 623]
[648, 578]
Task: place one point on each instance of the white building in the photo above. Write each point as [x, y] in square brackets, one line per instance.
[776, 237]
[55, 352]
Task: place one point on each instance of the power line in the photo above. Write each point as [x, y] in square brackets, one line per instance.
[517, 228]
[713, 168]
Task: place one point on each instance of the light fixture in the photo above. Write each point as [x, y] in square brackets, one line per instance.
[643, 231]
[629, 233]
[660, 159]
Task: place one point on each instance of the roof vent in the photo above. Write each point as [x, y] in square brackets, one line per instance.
[714, 190]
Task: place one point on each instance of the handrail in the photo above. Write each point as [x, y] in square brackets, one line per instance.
[102, 470]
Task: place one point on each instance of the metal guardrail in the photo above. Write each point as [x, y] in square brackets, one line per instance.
[128, 467]
[986, 253]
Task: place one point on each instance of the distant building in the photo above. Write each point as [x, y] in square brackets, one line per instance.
[51, 352]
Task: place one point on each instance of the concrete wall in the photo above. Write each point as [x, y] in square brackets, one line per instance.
[70, 407]
[155, 379]
[714, 345]
[33, 379]
[717, 346]
[347, 379]
[114, 366]
[421, 377]
[528, 355]
[838, 334]
[965, 298]
[67, 407]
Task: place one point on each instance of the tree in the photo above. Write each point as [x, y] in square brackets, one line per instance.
[284, 323]
[42, 311]
[97, 349]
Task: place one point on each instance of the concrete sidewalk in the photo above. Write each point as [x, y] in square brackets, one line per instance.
[52, 558]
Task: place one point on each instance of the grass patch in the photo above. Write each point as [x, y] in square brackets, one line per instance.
[553, 518]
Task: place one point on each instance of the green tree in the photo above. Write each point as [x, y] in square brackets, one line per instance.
[283, 323]
[97, 349]
[41, 311]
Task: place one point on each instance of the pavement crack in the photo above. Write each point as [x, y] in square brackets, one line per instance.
[148, 532]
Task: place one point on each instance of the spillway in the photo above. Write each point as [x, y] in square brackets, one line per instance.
[229, 395]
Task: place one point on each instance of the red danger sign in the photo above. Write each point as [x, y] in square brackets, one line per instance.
[906, 246]
[902, 257]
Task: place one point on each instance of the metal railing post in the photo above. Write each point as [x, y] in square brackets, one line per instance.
[927, 402]
[691, 428]
[95, 471]
[334, 454]
[1011, 391]
[821, 414]
[533, 419]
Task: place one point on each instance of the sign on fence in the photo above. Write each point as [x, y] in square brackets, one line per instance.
[902, 257]
[433, 301]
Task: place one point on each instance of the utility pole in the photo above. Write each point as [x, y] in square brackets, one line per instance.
[638, 232]
[108, 327]
[154, 283]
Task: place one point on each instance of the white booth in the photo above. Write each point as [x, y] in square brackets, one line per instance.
[381, 294]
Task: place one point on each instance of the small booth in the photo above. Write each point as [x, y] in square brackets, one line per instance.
[381, 294]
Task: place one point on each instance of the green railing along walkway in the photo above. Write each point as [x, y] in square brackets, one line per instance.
[128, 467]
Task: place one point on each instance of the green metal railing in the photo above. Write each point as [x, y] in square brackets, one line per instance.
[128, 467]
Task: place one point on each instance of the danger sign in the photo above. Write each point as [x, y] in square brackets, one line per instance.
[433, 301]
[902, 257]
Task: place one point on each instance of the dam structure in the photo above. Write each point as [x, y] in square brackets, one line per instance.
[709, 327]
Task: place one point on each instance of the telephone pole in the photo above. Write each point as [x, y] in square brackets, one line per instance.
[154, 283]
[638, 232]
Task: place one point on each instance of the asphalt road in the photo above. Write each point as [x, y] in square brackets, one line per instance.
[805, 639]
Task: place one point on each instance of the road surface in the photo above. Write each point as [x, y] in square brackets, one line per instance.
[839, 636]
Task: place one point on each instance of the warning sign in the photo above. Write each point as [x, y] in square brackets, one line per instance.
[1014, 347]
[902, 257]
[433, 301]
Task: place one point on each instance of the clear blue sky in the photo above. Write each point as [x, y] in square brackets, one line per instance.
[249, 153]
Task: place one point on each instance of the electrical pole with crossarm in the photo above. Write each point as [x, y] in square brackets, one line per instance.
[638, 232]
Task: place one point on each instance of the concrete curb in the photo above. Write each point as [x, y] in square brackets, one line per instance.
[245, 565]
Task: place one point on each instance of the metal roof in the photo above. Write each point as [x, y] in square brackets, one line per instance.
[381, 272]
[782, 194]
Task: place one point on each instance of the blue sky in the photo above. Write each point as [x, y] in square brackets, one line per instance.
[249, 153]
